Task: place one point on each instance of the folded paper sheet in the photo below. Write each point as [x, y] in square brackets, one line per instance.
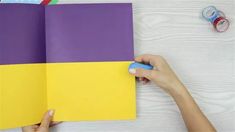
[71, 58]
[94, 91]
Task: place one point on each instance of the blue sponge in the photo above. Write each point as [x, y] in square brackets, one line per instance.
[140, 65]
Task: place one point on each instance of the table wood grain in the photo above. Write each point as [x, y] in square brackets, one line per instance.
[202, 58]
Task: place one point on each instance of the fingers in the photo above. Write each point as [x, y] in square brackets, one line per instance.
[47, 119]
[55, 123]
[139, 72]
[45, 123]
[154, 60]
[29, 128]
[141, 79]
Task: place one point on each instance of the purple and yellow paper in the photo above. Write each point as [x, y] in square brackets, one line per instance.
[71, 58]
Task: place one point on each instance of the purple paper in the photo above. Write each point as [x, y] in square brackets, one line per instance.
[89, 32]
[65, 33]
[22, 34]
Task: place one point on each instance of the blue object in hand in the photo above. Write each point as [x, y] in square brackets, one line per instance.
[140, 65]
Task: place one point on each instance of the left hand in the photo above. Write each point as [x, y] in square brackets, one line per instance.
[45, 124]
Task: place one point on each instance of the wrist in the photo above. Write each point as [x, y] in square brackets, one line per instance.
[178, 90]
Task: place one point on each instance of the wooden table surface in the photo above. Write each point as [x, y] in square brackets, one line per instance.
[202, 58]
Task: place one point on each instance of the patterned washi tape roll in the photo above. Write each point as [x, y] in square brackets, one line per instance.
[53, 2]
[45, 2]
[221, 24]
[210, 13]
[216, 17]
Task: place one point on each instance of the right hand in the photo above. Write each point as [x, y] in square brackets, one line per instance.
[162, 74]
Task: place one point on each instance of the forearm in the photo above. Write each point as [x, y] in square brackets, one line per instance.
[165, 78]
[193, 117]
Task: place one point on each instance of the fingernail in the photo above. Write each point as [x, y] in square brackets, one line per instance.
[132, 71]
[51, 112]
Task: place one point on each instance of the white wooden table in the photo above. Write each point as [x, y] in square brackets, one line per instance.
[203, 59]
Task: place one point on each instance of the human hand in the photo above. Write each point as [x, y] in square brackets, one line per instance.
[162, 74]
[44, 125]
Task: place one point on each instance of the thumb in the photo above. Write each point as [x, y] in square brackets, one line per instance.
[47, 119]
[139, 72]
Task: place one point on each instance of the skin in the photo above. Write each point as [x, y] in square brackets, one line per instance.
[163, 76]
[45, 124]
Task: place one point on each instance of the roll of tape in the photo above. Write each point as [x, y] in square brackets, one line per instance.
[210, 13]
[221, 24]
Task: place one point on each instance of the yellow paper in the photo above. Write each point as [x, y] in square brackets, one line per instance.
[77, 91]
[91, 91]
[1, 108]
[23, 94]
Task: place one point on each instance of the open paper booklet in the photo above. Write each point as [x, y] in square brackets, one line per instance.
[72, 58]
